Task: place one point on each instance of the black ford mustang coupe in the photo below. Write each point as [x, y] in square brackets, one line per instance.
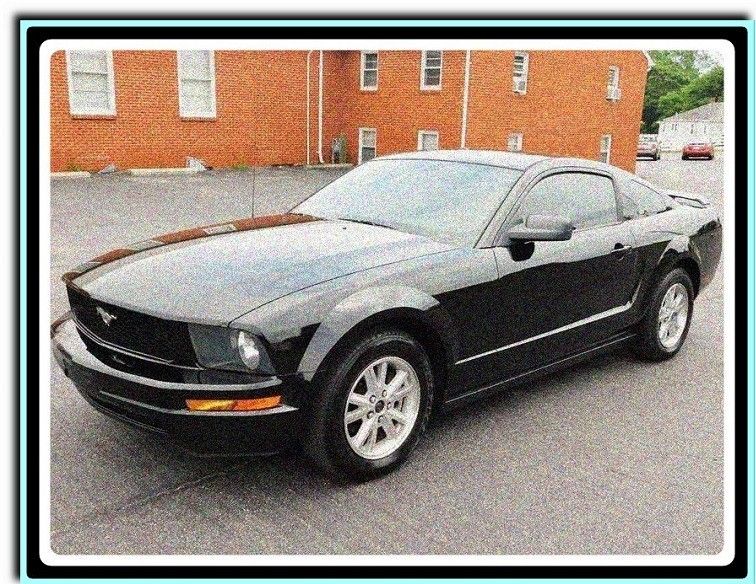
[414, 281]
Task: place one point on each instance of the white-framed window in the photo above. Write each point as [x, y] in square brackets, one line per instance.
[613, 92]
[430, 70]
[196, 84]
[91, 83]
[368, 139]
[427, 140]
[520, 72]
[514, 142]
[369, 71]
[605, 148]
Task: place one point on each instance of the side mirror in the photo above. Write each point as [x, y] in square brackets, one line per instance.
[542, 228]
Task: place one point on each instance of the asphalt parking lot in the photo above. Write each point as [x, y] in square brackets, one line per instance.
[616, 456]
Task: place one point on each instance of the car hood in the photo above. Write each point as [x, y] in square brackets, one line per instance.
[215, 279]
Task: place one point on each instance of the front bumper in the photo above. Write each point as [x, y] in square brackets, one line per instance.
[155, 405]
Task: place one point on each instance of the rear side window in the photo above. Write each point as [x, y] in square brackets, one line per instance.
[645, 199]
[588, 200]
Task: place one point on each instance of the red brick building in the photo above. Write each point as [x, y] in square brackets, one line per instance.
[139, 109]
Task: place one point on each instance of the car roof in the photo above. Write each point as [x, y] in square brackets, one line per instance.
[512, 160]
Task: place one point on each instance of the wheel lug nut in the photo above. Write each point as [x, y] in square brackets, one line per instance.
[385, 393]
[370, 415]
[372, 399]
[380, 418]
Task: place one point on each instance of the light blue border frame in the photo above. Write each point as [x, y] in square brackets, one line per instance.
[24, 26]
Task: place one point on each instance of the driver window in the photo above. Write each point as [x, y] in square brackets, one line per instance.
[586, 199]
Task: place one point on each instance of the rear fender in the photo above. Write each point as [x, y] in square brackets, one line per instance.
[679, 251]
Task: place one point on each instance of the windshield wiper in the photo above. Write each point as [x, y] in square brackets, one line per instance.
[366, 222]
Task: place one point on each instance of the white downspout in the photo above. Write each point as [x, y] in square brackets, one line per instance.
[465, 97]
[308, 106]
[320, 109]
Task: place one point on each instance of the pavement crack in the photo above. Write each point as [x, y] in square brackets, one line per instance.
[102, 514]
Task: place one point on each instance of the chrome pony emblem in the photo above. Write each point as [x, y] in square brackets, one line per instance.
[106, 317]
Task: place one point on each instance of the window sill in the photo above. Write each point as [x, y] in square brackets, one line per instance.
[368, 89]
[104, 116]
[199, 118]
[431, 89]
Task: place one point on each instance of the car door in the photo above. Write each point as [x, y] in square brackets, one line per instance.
[556, 298]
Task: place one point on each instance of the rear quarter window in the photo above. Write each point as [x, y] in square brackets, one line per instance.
[644, 200]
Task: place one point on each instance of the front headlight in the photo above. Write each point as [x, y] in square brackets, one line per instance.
[248, 350]
[218, 347]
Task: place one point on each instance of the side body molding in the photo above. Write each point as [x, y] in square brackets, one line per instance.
[378, 304]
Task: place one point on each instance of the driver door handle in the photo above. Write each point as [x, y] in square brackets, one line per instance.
[620, 250]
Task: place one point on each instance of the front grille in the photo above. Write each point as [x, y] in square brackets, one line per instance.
[141, 334]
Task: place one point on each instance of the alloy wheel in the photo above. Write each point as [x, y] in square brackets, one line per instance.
[673, 316]
[382, 407]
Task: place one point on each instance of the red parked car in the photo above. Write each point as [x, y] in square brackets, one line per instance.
[698, 150]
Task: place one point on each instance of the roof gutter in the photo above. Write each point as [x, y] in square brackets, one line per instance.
[308, 107]
[320, 109]
[465, 100]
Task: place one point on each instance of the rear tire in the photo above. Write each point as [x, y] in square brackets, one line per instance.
[356, 433]
[665, 326]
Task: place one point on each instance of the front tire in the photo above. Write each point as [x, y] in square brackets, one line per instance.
[373, 406]
[665, 325]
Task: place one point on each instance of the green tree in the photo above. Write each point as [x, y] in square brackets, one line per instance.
[708, 87]
[664, 77]
[676, 83]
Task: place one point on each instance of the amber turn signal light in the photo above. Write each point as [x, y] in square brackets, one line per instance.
[233, 405]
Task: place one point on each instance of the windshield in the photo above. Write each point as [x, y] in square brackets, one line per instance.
[446, 201]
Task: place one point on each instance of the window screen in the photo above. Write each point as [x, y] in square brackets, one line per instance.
[520, 72]
[514, 142]
[91, 87]
[367, 144]
[605, 148]
[196, 72]
[431, 75]
[369, 71]
[428, 141]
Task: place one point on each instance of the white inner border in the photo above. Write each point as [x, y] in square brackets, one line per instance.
[724, 557]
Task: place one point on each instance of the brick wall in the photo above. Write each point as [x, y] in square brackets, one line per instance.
[260, 111]
[261, 108]
[564, 112]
